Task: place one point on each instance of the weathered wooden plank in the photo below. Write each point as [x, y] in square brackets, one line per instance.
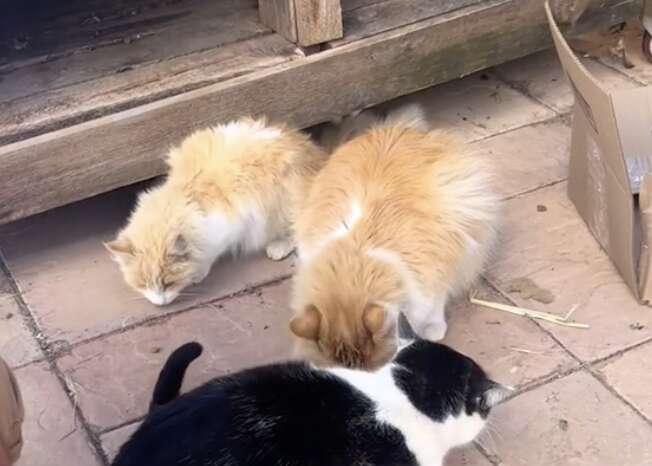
[57, 108]
[305, 22]
[348, 5]
[93, 157]
[371, 18]
[123, 43]
[279, 16]
[318, 21]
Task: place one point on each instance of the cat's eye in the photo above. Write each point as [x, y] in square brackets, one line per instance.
[165, 284]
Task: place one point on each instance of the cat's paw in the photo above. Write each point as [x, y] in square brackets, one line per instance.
[279, 250]
[435, 332]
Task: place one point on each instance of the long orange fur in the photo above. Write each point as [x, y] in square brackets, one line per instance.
[396, 209]
[234, 187]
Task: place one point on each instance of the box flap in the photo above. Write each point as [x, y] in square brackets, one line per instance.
[594, 101]
[599, 184]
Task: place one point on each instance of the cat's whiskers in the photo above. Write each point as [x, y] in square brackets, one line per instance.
[490, 429]
[491, 424]
[486, 442]
[135, 298]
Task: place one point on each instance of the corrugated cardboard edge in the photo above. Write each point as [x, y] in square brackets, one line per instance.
[645, 274]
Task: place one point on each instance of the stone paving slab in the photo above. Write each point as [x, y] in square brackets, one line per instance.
[572, 421]
[53, 435]
[240, 333]
[541, 76]
[466, 456]
[477, 106]
[630, 374]
[519, 169]
[74, 288]
[512, 349]
[17, 345]
[544, 239]
[113, 440]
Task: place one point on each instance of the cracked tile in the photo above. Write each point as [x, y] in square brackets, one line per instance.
[237, 333]
[74, 289]
[544, 239]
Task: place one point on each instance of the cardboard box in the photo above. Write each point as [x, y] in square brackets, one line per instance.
[611, 152]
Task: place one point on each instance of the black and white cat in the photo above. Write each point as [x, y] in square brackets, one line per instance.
[429, 399]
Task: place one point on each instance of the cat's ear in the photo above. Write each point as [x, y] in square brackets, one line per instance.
[121, 249]
[494, 393]
[374, 318]
[180, 249]
[306, 324]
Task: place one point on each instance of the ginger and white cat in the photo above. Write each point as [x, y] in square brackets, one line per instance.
[399, 219]
[232, 188]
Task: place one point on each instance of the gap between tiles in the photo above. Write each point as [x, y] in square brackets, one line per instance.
[23, 308]
[160, 318]
[632, 79]
[588, 366]
[561, 117]
[50, 359]
[514, 85]
[108, 430]
[529, 191]
[591, 369]
[488, 456]
[524, 92]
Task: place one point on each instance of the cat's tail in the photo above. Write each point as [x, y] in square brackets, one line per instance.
[410, 115]
[171, 376]
[350, 126]
[341, 130]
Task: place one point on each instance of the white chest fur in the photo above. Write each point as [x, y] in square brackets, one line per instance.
[219, 233]
[427, 439]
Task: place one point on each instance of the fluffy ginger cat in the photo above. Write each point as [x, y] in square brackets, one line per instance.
[231, 188]
[399, 219]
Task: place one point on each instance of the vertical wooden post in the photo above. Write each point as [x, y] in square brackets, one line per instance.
[304, 22]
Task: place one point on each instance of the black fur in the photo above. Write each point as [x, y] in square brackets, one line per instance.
[460, 383]
[171, 376]
[291, 414]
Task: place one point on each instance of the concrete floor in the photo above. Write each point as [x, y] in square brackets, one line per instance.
[87, 350]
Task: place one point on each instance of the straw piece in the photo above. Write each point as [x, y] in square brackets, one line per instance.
[524, 350]
[552, 318]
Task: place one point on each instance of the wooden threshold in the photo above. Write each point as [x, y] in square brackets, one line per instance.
[83, 59]
[365, 18]
[89, 158]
